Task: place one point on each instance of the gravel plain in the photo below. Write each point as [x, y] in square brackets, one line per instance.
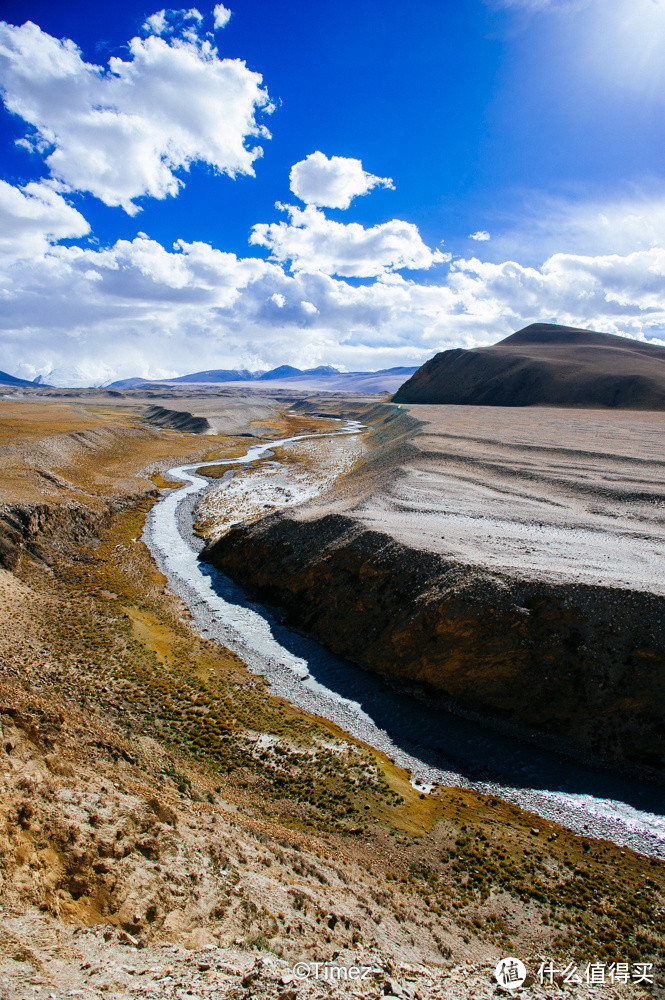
[549, 494]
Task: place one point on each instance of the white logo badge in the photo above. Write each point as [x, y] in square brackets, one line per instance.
[510, 973]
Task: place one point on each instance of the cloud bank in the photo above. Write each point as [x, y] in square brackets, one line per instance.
[125, 132]
[325, 291]
[312, 242]
[137, 307]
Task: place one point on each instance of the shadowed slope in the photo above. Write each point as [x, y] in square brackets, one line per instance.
[545, 365]
[6, 379]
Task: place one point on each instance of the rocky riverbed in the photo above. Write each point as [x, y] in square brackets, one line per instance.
[436, 745]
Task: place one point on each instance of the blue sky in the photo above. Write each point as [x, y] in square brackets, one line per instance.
[144, 234]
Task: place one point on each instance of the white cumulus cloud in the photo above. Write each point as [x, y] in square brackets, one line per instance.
[311, 242]
[222, 16]
[165, 22]
[157, 23]
[138, 308]
[34, 216]
[332, 182]
[125, 132]
[481, 236]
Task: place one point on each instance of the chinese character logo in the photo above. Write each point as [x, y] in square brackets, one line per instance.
[510, 973]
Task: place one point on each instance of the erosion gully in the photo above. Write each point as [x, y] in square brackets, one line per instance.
[434, 745]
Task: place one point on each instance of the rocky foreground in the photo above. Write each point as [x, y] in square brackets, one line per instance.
[100, 962]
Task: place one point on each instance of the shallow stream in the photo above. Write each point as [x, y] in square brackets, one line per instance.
[435, 745]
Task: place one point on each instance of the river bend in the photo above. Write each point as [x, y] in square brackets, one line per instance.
[435, 746]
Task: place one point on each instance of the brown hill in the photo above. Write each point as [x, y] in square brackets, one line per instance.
[545, 365]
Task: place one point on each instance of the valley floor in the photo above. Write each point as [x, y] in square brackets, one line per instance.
[171, 828]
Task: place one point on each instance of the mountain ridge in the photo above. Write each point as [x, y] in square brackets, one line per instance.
[285, 376]
[232, 375]
[545, 364]
[7, 379]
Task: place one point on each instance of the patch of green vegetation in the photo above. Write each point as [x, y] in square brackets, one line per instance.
[594, 916]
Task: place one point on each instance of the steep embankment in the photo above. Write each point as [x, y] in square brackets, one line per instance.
[580, 661]
[545, 365]
[176, 420]
[505, 576]
[42, 530]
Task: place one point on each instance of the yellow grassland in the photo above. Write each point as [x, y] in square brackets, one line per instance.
[100, 640]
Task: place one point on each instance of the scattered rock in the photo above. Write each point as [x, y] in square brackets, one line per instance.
[163, 812]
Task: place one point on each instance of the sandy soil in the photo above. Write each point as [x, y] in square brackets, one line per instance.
[563, 495]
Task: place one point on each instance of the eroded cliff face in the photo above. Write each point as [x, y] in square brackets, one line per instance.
[41, 531]
[586, 663]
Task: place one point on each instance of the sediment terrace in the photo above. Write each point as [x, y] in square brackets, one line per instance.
[505, 561]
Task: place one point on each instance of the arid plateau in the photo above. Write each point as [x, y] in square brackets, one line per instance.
[381, 686]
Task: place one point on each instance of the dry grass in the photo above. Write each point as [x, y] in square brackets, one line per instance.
[106, 638]
[55, 451]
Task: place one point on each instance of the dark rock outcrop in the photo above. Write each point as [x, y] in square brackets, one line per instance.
[545, 365]
[176, 420]
[586, 663]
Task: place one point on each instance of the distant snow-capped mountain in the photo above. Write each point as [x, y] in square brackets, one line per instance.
[287, 371]
[67, 378]
[285, 376]
[233, 375]
[325, 377]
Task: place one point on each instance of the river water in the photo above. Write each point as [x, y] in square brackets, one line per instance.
[435, 745]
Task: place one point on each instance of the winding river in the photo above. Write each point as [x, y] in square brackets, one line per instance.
[433, 745]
